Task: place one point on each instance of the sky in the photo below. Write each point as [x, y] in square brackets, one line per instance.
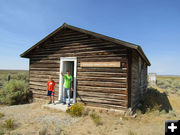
[152, 24]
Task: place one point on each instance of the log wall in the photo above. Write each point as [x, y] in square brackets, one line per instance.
[105, 87]
[139, 78]
[117, 87]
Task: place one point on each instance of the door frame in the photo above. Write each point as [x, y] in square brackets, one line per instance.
[62, 59]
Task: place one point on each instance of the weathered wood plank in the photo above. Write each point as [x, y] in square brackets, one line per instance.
[44, 69]
[112, 70]
[105, 105]
[81, 53]
[44, 72]
[77, 49]
[101, 74]
[41, 84]
[42, 88]
[37, 95]
[102, 79]
[102, 89]
[103, 59]
[42, 79]
[99, 101]
[40, 76]
[45, 65]
[101, 84]
[102, 95]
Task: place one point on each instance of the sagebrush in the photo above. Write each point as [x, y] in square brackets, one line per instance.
[15, 92]
[14, 75]
[170, 84]
[76, 110]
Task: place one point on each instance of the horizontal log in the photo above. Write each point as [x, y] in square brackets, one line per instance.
[79, 49]
[101, 74]
[42, 88]
[74, 45]
[36, 95]
[111, 70]
[93, 55]
[102, 101]
[82, 53]
[43, 92]
[44, 69]
[75, 42]
[101, 84]
[66, 34]
[102, 89]
[44, 72]
[105, 106]
[43, 76]
[102, 59]
[45, 80]
[39, 61]
[64, 37]
[45, 58]
[102, 95]
[111, 79]
[71, 38]
[82, 46]
[122, 58]
[45, 65]
[38, 83]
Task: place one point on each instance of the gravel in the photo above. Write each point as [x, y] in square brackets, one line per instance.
[49, 119]
[34, 113]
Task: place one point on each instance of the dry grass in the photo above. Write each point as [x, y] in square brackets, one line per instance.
[9, 124]
[96, 118]
[2, 115]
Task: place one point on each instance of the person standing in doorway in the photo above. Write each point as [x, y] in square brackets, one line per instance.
[67, 86]
[50, 90]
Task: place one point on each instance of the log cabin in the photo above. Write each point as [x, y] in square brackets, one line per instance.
[107, 72]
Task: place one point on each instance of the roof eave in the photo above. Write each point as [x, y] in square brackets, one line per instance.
[140, 51]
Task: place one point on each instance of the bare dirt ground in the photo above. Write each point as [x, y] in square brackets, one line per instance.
[31, 118]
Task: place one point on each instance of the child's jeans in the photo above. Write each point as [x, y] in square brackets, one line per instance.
[66, 90]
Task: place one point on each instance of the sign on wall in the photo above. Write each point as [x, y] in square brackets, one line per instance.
[100, 64]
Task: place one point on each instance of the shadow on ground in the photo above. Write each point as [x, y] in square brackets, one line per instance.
[155, 100]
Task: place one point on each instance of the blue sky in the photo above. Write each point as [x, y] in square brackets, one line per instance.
[153, 24]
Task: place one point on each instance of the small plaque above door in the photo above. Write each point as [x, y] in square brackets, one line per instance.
[100, 64]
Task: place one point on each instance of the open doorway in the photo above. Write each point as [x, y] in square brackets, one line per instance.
[68, 63]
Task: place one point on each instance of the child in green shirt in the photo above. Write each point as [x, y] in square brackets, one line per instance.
[67, 86]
